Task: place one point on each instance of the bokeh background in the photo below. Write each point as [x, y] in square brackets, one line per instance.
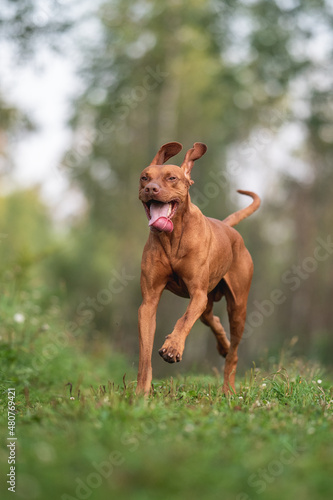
[90, 90]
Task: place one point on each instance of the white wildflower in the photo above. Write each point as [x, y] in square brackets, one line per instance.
[19, 318]
[319, 381]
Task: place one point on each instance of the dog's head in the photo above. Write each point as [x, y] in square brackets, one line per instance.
[163, 188]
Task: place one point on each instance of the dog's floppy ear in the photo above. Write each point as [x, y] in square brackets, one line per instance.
[165, 152]
[199, 149]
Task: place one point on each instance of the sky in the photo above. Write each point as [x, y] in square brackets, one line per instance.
[43, 90]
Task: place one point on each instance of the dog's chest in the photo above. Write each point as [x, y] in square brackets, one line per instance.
[177, 286]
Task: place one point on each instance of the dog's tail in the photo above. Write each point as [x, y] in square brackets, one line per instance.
[236, 217]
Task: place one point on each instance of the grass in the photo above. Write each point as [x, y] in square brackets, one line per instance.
[82, 433]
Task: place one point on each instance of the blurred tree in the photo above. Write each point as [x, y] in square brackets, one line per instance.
[222, 72]
[305, 213]
[12, 123]
[157, 73]
[311, 203]
[27, 23]
[25, 223]
[26, 236]
[214, 72]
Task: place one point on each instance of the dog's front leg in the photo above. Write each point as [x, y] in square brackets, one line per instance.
[173, 347]
[147, 326]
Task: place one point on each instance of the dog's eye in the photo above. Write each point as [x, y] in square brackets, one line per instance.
[172, 178]
[144, 178]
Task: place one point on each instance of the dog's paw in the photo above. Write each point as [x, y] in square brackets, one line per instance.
[222, 349]
[170, 353]
[228, 390]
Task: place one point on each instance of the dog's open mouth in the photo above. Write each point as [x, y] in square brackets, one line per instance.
[160, 214]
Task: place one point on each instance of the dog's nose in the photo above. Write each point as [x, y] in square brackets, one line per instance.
[152, 188]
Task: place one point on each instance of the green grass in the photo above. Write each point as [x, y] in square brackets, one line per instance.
[95, 439]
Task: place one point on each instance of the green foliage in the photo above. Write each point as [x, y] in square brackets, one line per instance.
[26, 234]
[12, 118]
[26, 23]
[38, 344]
[82, 431]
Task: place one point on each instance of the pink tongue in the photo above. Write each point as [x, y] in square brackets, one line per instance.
[159, 220]
[162, 224]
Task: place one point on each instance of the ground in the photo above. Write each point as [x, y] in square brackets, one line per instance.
[82, 433]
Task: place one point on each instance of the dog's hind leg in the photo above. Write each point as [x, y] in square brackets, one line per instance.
[238, 280]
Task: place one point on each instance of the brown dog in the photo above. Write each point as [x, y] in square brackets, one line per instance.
[193, 256]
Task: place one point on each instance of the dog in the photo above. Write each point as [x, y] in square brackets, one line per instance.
[193, 256]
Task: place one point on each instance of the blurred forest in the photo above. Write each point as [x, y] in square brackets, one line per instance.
[253, 80]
